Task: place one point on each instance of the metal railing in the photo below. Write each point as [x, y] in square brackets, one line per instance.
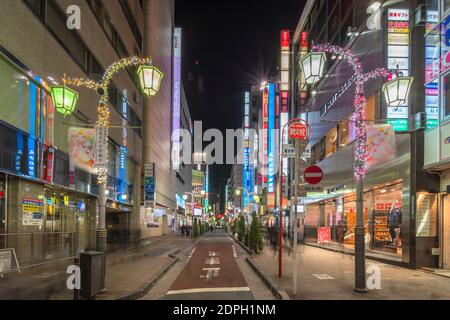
[34, 249]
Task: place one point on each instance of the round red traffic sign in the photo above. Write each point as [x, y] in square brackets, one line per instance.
[313, 175]
[298, 131]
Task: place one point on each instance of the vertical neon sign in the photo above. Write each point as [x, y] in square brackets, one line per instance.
[176, 102]
[271, 140]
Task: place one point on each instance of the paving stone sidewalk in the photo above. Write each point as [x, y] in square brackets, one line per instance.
[327, 275]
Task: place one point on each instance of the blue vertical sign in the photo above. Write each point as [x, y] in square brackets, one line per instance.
[31, 157]
[271, 140]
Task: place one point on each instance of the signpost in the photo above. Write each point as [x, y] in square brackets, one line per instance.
[288, 151]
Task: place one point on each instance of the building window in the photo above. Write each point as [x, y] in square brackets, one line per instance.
[446, 94]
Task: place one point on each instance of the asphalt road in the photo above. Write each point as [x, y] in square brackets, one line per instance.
[211, 273]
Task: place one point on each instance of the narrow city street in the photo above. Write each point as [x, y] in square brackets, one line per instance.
[214, 270]
[49, 282]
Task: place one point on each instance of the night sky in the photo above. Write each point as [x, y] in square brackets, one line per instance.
[228, 46]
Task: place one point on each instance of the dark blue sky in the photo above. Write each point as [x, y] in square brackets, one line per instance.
[228, 46]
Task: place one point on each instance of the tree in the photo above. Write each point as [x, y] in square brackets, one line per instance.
[195, 229]
[255, 237]
[241, 228]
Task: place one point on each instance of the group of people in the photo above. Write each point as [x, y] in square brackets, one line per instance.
[186, 230]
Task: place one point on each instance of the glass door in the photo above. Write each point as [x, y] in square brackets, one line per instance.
[445, 242]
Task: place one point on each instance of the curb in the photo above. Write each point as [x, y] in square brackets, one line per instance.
[148, 286]
[369, 257]
[279, 294]
[248, 250]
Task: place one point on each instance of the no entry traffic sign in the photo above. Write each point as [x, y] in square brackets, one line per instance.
[313, 175]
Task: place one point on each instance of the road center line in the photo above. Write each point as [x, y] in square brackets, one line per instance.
[200, 290]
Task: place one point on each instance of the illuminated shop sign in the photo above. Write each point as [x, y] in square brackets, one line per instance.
[271, 139]
[432, 104]
[398, 15]
[398, 57]
[176, 116]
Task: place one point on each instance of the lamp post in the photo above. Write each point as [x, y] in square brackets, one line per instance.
[302, 132]
[65, 100]
[396, 93]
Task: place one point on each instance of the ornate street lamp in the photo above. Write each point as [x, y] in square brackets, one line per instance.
[64, 99]
[396, 92]
[237, 192]
[150, 78]
[312, 66]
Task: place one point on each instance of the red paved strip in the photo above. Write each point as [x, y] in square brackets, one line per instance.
[210, 255]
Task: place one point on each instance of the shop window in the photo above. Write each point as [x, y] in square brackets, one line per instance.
[427, 215]
[446, 94]
[334, 22]
[19, 98]
[371, 110]
[61, 169]
[331, 142]
[344, 138]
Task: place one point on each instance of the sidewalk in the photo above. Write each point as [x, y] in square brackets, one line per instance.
[327, 275]
[127, 271]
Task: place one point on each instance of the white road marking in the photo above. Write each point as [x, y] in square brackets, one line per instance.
[323, 276]
[200, 290]
[212, 261]
[192, 253]
[210, 273]
[234, 252]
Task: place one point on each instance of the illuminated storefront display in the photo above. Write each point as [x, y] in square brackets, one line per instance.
[398, 58]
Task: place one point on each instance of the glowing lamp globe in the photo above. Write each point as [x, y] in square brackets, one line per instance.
[237, 192]
[396, 92]
[312, 66]
[150, 78]
[64, 99]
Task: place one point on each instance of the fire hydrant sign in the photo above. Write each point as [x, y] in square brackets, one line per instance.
[298, 131]
[313, 175]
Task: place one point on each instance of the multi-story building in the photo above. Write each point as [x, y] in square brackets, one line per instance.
[400, 197]
[437, 140]
[45, 191]
[184, 174]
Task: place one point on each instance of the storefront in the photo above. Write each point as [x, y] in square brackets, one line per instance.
[382, 219]
[45, 223]
[436, 223]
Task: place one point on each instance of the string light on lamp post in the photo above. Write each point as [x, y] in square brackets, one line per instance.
[65, 100]
[396, 93]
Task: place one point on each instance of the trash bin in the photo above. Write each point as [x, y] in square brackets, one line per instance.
[91, 271]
